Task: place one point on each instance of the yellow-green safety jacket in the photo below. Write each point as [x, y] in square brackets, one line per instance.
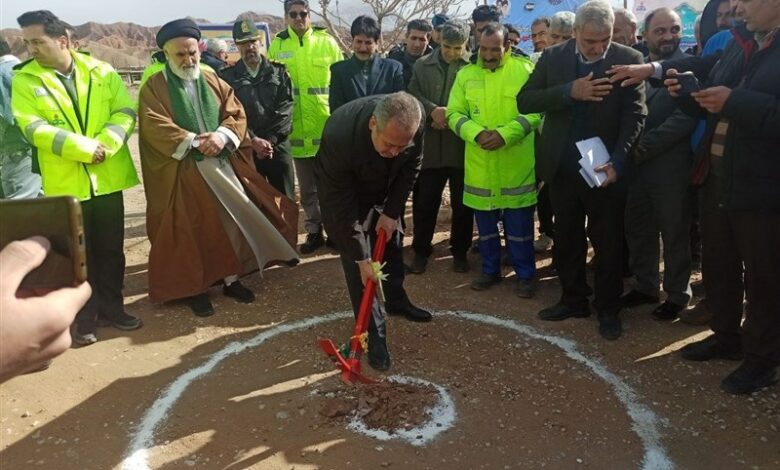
[480, 100]
[45, 114]
[308, 60]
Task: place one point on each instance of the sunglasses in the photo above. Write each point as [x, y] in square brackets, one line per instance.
[295, 14]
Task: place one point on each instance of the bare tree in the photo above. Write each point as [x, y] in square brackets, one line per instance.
[393, 15]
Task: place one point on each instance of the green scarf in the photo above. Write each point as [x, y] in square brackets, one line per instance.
[184, 112]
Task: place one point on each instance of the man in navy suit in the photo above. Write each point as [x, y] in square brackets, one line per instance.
[365, 73]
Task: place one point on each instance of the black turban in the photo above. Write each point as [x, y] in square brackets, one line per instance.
[183, 28]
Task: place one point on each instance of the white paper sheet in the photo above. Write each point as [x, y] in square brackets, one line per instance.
[594, 154]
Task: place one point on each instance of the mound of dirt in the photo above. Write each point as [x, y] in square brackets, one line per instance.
[387, 406]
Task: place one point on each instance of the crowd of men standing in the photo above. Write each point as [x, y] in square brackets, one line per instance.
[496, 125]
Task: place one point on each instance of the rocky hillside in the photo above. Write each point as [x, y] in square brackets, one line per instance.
[125, 44]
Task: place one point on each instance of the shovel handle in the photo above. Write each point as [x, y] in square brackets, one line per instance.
[368, 295]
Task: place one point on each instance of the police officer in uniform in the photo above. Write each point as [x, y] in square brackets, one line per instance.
[265, 90]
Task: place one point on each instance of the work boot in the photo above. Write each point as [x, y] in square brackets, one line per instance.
[313, 242]
[751, 376]
[485, 281]
[526, 288]
[419, 264]
[697, 315]
[378, 356]
[543, 243]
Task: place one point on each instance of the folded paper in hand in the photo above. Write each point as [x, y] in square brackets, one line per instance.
[594, 154]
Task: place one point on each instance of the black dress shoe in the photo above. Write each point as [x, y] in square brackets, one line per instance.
[237, 291]
[560, 312]
[460, 264]
[419, 264]
[410, 311]
[378, 356]
[667, 311]
[201, 305]
[610, 327]
[751, 376]
[635, 298]
[711, 348]
[312, 243]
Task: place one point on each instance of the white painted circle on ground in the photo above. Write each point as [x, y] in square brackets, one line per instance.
[645, 422]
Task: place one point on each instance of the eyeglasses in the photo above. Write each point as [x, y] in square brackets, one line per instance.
[295, 14]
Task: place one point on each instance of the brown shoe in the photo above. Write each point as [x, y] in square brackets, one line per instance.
[697, 315]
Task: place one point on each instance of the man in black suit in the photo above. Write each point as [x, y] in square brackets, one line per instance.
[369, 158]
[659, 197]
[568, 85]
[365, 73]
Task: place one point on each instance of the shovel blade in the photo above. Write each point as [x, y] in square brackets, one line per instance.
[329, 348]
[350, 369]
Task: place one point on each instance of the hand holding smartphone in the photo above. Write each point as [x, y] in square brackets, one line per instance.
[688, 83]
[59, 220]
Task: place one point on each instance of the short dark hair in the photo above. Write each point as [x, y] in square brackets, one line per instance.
[52, 26]
[366, 26]
[510, 29]
[486, 13]
[419, 25]
[495, 28]
[290, 3]
[541, 19]
[651, 15]
[5, 49]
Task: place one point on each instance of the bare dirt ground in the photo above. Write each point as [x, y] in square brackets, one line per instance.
[521, 402]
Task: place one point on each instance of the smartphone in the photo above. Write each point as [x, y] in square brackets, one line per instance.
[59, 220]
[688, 82]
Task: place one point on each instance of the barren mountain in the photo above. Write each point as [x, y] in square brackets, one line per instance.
[124, 44]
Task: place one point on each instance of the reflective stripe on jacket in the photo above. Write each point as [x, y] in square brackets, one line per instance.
[484, 100]
[46, 116]
[308, 60]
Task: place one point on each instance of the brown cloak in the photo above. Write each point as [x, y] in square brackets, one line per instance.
[191, 250]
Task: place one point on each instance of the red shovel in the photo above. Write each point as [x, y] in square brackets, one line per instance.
[350, 366]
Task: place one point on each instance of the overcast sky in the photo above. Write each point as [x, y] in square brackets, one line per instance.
[157, 12]
[144, 12]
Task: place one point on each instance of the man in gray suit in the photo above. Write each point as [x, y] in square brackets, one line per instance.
[659, 194]
[568, 85]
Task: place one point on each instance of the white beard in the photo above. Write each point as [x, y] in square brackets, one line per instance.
[190, 74]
